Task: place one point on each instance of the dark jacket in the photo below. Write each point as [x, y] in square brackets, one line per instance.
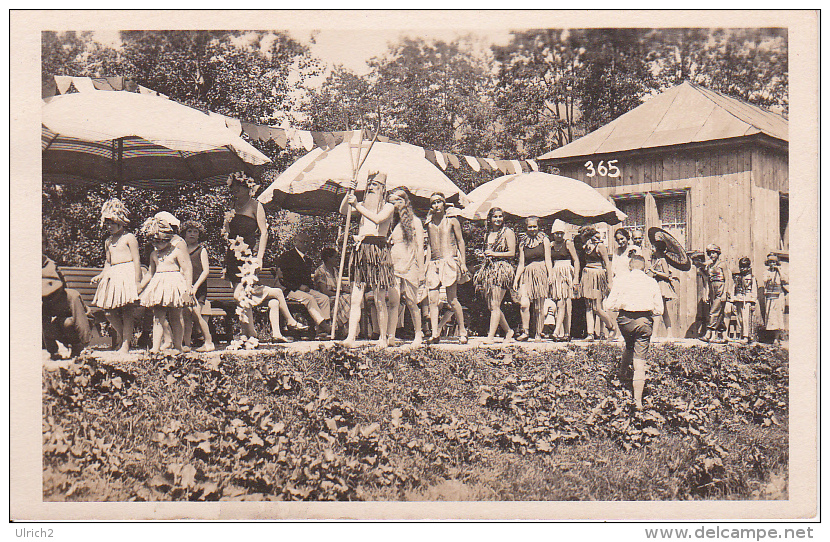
[296, 270]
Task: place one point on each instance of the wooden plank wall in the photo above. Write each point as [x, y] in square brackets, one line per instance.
[724, 205]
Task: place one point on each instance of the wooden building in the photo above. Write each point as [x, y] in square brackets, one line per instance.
[706, 167]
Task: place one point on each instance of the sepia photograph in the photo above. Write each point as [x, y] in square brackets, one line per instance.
[520, 266]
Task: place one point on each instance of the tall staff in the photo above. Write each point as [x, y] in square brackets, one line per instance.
[356, 165]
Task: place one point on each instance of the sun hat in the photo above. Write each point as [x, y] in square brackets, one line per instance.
[712, 247]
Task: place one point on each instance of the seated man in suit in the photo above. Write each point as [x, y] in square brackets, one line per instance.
[296, 267]
[64, 313]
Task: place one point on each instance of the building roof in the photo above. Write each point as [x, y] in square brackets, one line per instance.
[683, 114]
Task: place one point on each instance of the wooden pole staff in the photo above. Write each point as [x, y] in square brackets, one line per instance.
[356, 165]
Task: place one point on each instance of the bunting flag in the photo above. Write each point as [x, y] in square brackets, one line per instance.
[439, 157]
[473, 163]
[285, 137]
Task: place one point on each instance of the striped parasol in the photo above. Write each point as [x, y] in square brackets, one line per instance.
[317, 182]
[138, 140]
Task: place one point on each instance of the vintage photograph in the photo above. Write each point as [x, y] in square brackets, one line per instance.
[530, 263]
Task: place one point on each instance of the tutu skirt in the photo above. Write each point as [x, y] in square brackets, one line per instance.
[117, 287]
[494, 274]
[563, 280]
[535, 282]
[594, 283]
[166, 289]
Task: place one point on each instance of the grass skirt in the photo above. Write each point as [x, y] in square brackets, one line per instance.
[371, 264]
[494, 274]
[535, 282]
[594, 283]
[563, 279]
[117, 287]
[166, 289]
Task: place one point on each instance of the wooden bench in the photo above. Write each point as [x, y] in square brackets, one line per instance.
[219, 303]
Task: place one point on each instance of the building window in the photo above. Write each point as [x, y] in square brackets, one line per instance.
[635, 208]
[672, 213]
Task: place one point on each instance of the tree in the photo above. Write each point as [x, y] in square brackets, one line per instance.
[747, 63]
[617, 74]
[538, 72]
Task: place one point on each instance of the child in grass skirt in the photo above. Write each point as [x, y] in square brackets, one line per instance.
[167, 285]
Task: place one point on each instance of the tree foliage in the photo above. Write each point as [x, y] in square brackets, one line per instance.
[540, 91]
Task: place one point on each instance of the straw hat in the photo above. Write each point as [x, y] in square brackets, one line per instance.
[772, 257]
[169, 218]
[157, 228]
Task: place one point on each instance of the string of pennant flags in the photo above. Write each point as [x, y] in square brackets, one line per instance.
[288, 137]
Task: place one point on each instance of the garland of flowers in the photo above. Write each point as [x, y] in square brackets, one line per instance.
[247, 270]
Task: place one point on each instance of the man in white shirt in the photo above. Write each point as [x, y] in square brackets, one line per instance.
[638, 299]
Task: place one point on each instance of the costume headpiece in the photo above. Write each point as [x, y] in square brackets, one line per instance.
[559, 225]
[241, 178]
[115, 210]
[157, 228]
[713, 248]
[169, 218]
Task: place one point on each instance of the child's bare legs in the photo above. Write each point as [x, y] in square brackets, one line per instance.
[174, 316]
[196, 312]
[603, 316]
[452, 298]
[354, 316]
[434, 303]
[167, 336]
[187, 319]
[496, 315]
[539, 307]
[415, 313]
[524, 305]
[561, 310]
[117, 323]
[568, 314]
[126, 330]
[158, 316]
[392, 315]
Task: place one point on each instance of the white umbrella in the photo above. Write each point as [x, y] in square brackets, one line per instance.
[317, 182]
[136, 139]
[543, 195]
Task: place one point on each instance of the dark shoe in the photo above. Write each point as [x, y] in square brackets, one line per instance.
[76, 350]
[433, 340]
[323, 327]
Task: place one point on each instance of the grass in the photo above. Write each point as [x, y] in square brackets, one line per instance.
[418, 425]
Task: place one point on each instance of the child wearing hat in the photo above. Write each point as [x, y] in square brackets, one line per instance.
[717, 275]
[118, 282]
[745, 298]
[167, 285]
[775, 287]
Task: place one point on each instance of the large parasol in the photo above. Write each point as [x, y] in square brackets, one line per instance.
[543, 195]
[675, 253]
[138, 140]
[316, 183]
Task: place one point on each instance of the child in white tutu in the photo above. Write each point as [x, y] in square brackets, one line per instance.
[167, 285]
[118, 283]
